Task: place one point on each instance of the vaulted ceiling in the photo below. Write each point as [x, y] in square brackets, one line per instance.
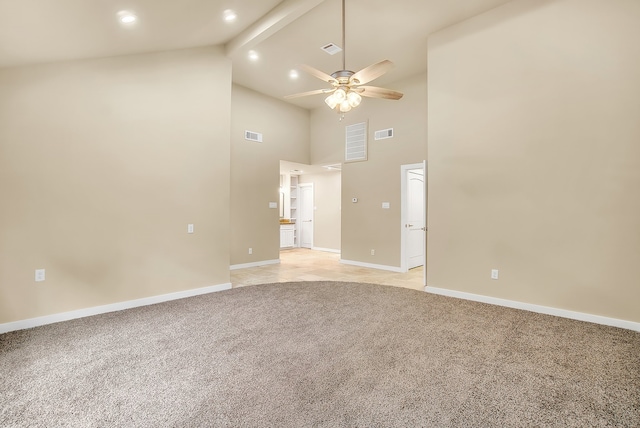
[283, 34]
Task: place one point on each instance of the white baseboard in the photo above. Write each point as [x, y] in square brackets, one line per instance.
[327, 250]
[371, 265]
[254, 264]
[580, 316]
[97, 310]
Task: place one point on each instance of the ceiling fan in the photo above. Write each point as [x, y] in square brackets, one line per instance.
[347, 86]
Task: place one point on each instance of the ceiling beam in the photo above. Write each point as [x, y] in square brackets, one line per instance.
[279, 17]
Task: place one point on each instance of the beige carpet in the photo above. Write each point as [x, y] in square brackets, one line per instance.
[320, 354]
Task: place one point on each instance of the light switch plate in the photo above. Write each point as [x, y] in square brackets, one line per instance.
[190, 228]
[39, 275]
[273, 205]
[386, 205]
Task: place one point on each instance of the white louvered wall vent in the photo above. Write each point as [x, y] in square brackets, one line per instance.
[356, 142]
[253, 136]
[384, 133]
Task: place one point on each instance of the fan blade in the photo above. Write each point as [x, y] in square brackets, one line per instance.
[372, 72]
[375, 92]
[317, 73]
[304, 94]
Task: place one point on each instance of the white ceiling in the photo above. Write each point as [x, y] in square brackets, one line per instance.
[284, 33]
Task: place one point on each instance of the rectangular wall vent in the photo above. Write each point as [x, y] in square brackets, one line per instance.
[384, 133]
[253, 136]
[356, 142]
[331, 49]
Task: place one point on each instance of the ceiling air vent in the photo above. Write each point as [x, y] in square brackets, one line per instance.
[331, 49]
[384, 133]
[356, 142]
[253, 136]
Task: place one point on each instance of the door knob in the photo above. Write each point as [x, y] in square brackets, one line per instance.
[408, 225]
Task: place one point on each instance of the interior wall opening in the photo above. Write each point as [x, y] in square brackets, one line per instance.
[310, 205]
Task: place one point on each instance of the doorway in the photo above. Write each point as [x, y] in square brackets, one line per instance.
[323, 209]
[413, 216]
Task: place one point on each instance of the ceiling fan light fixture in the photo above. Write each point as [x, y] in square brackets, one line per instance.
[345, 106]
[354, 99]
[346, 83]
[331, 101]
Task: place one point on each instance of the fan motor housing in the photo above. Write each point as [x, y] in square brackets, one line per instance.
[343, 76]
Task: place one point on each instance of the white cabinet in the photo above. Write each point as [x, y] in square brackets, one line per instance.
[294, 207]
[287, 235]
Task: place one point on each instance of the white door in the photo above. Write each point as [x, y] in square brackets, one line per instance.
[305, 217]
[424, 218]
[413, 216]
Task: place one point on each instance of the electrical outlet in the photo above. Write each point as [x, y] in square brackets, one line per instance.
[190, 228]
[250, 250]
[39, 275]
[494, 273]
[373, 252]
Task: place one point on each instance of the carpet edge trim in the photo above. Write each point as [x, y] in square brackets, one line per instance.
[112, 307]
[547, 310]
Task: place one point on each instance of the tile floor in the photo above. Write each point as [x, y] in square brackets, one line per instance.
[301, 264]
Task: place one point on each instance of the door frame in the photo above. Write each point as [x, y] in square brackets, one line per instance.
[404, 264]
[301, 201]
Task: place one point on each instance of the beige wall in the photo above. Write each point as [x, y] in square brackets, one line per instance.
[255, 170]
[365, 225]
[102, 165]
[326, 214]
[534, 155]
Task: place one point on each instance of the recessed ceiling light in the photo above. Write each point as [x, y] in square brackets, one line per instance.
[253, 55]
[127, 17]
[229, 15]
[293, 74]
